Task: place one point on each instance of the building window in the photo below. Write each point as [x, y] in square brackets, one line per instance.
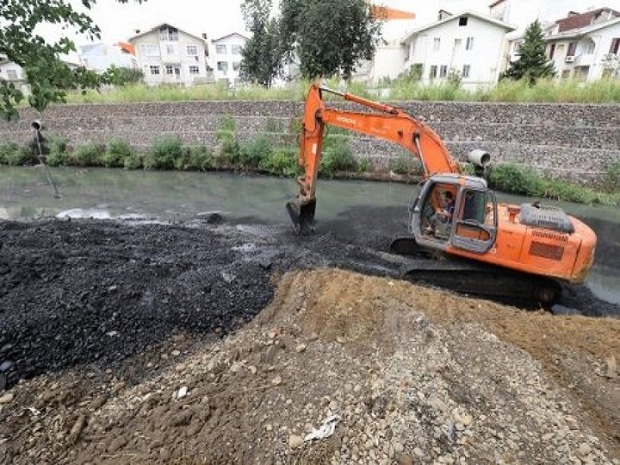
[469, 44]
[154, 69]
[466, 71]
[221, 49]
[572, 48]
[168, 34]
[457, 44]
[192, 50]
[463, 21]
[150, 50]
[11, 74]
[551, 51]
[194, 70]
[236, 49]
[169, 49]
[615, 45]
[443, 71]
[236, 65]
[222, 66]
[436, 43]
[169, 69]
[433, 72]
[588, 48]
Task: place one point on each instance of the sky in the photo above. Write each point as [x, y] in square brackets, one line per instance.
[216, 18]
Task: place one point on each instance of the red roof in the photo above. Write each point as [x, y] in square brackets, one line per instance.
[579, 20]
[387, 14]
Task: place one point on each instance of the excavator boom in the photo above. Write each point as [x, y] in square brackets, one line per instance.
[386, 122]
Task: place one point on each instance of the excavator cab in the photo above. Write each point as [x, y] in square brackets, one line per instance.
[471, 222]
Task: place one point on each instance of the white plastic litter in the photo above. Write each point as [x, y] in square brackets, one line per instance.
[325, 431]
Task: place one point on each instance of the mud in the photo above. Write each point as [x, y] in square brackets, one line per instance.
[91, 309]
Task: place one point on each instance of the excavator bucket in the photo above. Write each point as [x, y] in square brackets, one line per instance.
[302, 214]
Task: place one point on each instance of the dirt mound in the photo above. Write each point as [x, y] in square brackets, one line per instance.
[406, 374]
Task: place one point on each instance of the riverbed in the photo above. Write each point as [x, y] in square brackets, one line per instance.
[342, 206]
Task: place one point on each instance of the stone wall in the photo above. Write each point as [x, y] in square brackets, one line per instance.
[568, 141]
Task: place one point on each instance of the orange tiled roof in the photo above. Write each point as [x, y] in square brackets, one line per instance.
[387, 14]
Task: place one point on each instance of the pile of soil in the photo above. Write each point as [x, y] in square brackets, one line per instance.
[199, 343]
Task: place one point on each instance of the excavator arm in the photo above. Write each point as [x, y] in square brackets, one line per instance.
[385, 122]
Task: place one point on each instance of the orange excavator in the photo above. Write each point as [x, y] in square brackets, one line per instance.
[531, 248]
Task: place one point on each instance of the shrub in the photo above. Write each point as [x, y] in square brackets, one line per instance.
[403, 164]
[230, 149]
[165, 153]
[364, 165]
[255, 150]
[201, 158]
[58, 150]
[14, 155]
[134, 161]
[281, 162]
[89, 154]
[517, 180]
[116, 153]
[337, 156]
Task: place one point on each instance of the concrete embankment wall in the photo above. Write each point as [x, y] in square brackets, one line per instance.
[568, 141]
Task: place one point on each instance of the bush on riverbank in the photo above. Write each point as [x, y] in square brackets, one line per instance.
[261, 154]
[519, 180]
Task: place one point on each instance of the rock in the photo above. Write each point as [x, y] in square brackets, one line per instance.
[585, 449]
[5, 399]
[182, 392]
[175, 353]
[405, 459]
[77, 429]
[300, 348]
[270, 354]
[295, 441]
[276, 381]
[6, 365]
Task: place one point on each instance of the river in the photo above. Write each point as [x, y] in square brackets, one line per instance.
[358, 205]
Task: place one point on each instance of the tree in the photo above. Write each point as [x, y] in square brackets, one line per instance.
[611, 66]
[49, 78]
[532, 63]
[261, 56]
[329, 37]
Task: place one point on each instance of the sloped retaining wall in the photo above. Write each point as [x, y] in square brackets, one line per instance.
[568, 141]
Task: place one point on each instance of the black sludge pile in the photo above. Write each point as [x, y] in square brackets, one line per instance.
[75, 292]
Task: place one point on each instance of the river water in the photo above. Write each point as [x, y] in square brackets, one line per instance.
[341, 205]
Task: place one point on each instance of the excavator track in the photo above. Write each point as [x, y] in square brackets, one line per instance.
[466, 276]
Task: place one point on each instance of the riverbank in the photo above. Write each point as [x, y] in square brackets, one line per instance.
[572, 142]
[229, 342]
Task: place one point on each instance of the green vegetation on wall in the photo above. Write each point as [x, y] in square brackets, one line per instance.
[263, 154]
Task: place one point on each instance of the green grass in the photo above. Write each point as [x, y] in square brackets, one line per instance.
[558, 91]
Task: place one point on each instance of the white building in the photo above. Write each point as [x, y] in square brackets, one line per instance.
[99, 57]
[470, 44]
[168, 55]
[391, 53]
[226, 57]
[14, 73]
[578, 44]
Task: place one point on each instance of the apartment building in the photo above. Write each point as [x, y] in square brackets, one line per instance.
[579, 43]
[469, 44]
[169, 55]
[226, 57]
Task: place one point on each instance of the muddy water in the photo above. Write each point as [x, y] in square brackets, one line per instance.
[343, 207]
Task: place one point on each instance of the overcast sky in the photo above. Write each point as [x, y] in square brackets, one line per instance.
[220, 17]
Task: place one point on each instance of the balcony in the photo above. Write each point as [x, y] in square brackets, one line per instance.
[584, 60]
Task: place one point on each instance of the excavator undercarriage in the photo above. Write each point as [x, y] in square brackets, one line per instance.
[419, 265]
